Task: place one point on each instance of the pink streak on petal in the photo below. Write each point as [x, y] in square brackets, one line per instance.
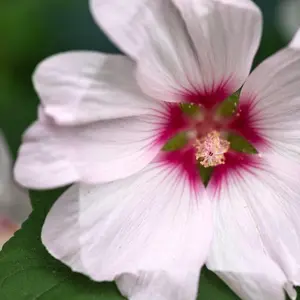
[235, 165]
[210, 97]
[172, 121]
[184, 160]
[244, 123]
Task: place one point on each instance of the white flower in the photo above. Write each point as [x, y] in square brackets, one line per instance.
[14, 202]
[106, 117]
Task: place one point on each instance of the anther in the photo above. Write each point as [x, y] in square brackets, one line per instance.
[210, 149]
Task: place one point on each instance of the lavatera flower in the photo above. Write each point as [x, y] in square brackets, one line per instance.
[148, 222]
[14, 201]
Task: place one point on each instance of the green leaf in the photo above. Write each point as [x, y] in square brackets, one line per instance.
[228, 107]
[177, 142]
[28, 272]
[239, 143]
[213, 288]
[205, 173]
[190, 109]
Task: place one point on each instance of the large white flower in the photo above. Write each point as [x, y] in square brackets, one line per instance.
[105, 117]
[14, 201]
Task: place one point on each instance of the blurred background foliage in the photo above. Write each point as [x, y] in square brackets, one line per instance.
[31, 30]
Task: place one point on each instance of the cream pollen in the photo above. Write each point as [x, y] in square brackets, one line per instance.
[210, 149]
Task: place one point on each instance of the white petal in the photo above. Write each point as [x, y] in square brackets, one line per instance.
[295, 43]
[52, 155]
[124, 23]
[168, 68]
[226, 36]
[14, 201]
[271, 95]
[256, 246]
[150, 232]
[79, 87]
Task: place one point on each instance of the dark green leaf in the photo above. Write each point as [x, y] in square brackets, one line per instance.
[177, 142]
[205, 174]
[228, 107]
[28, 272]
[239, 143]
[190, 109]
[212, 288]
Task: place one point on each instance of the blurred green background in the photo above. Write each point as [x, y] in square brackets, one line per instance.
[31, 30]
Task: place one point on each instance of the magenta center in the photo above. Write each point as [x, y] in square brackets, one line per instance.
[207, 133]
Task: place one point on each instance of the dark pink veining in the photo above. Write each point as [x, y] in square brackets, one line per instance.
[172, 121]
[209, 98]
[185, 160]
[236, 163]
[243, 123]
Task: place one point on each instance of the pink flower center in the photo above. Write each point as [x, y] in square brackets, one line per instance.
[203, 136]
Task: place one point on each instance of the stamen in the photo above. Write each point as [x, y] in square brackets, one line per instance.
[211, 149]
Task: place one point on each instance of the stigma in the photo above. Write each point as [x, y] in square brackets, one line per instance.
[210, 149]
